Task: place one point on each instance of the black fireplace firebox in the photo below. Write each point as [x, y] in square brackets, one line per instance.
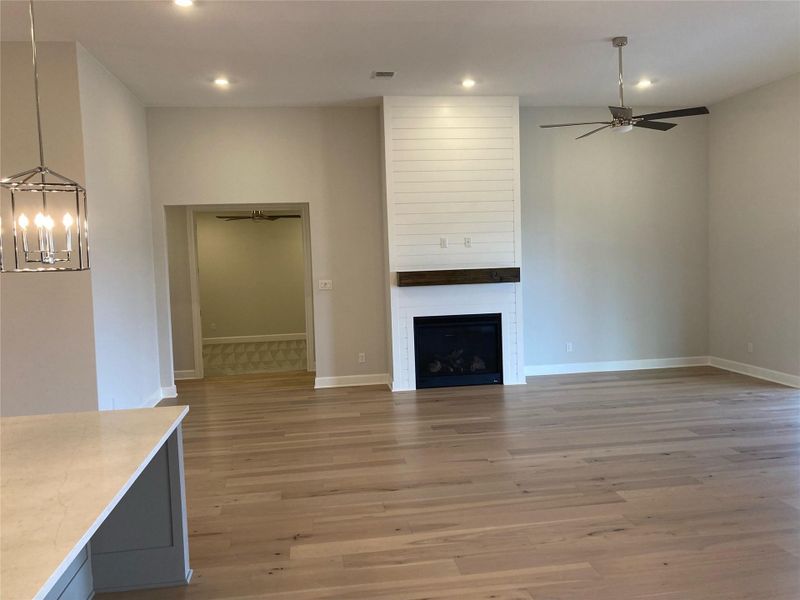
[458, 350]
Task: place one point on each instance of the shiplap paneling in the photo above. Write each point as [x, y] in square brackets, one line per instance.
[451, 144]
[462, 110]
[493, 177]
[452, 196]
[406, 190]
[451, 161]
[453, 133]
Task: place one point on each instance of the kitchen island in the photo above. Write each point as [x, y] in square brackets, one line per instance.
[92, 501]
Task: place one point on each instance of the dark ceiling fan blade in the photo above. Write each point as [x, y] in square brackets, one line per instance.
[573, 124]
[621, 112]
[655, 125]
[593, 131]
[672, 114]
[256, 216]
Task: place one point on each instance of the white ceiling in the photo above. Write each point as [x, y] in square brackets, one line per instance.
[322, 53]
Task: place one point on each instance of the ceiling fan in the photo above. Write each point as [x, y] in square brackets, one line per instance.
[257, 215]
[622, 117]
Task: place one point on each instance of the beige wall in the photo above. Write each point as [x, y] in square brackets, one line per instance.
[251, 276]
[614, 240]
[180, 290]
[754, 232]
[326, 157]
[47, 346]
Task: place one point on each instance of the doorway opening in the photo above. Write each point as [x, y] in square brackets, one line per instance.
[240, 289]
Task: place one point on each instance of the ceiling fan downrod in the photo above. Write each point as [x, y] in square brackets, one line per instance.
[619, 43]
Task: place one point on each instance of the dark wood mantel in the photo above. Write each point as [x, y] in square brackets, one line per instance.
[458, 276]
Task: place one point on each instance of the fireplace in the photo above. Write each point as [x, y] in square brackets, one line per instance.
[458, 350]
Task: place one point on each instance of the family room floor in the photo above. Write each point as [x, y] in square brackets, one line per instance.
[676, 484]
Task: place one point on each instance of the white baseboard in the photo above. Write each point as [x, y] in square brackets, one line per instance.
[615, 365]
[754, 371]
[665, 363]
[351, 380]
[188, 374]
[153, 399]
[157, 396]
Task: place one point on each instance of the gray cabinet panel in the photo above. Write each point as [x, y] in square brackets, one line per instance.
[144, 541]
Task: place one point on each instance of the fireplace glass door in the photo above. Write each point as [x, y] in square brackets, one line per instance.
[458, 350]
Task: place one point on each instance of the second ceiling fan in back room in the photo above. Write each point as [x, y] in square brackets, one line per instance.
[622, 117]
[257, 215]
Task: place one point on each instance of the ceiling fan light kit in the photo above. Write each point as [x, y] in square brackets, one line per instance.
[622, 118]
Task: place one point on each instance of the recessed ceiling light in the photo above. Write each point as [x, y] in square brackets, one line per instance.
[184, 3]
[468, 83]
[222, 82]
[644, 84]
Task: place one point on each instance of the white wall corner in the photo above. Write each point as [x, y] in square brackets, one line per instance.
[351, 381]
[754, 371]
[168, 392]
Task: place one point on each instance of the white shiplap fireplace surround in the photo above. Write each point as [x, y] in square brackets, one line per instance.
[451, 171]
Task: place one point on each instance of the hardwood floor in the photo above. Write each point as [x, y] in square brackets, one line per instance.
[677, 484]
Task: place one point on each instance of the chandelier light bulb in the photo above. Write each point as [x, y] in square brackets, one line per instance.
[49, 223]
[38, 220]
[67, 220]
[23, 222]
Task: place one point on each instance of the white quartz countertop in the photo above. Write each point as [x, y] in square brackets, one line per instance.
[60, 477]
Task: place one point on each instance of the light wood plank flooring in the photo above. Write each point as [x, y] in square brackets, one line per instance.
[677, 484]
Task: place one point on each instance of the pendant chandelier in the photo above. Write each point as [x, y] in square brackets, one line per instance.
[44, 225]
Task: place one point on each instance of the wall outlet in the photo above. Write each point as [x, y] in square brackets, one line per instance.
[467, 242]
[569, 347]
[443, 242]
[750, 347]
[213, 327]
[325, 284]
[362, 357]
